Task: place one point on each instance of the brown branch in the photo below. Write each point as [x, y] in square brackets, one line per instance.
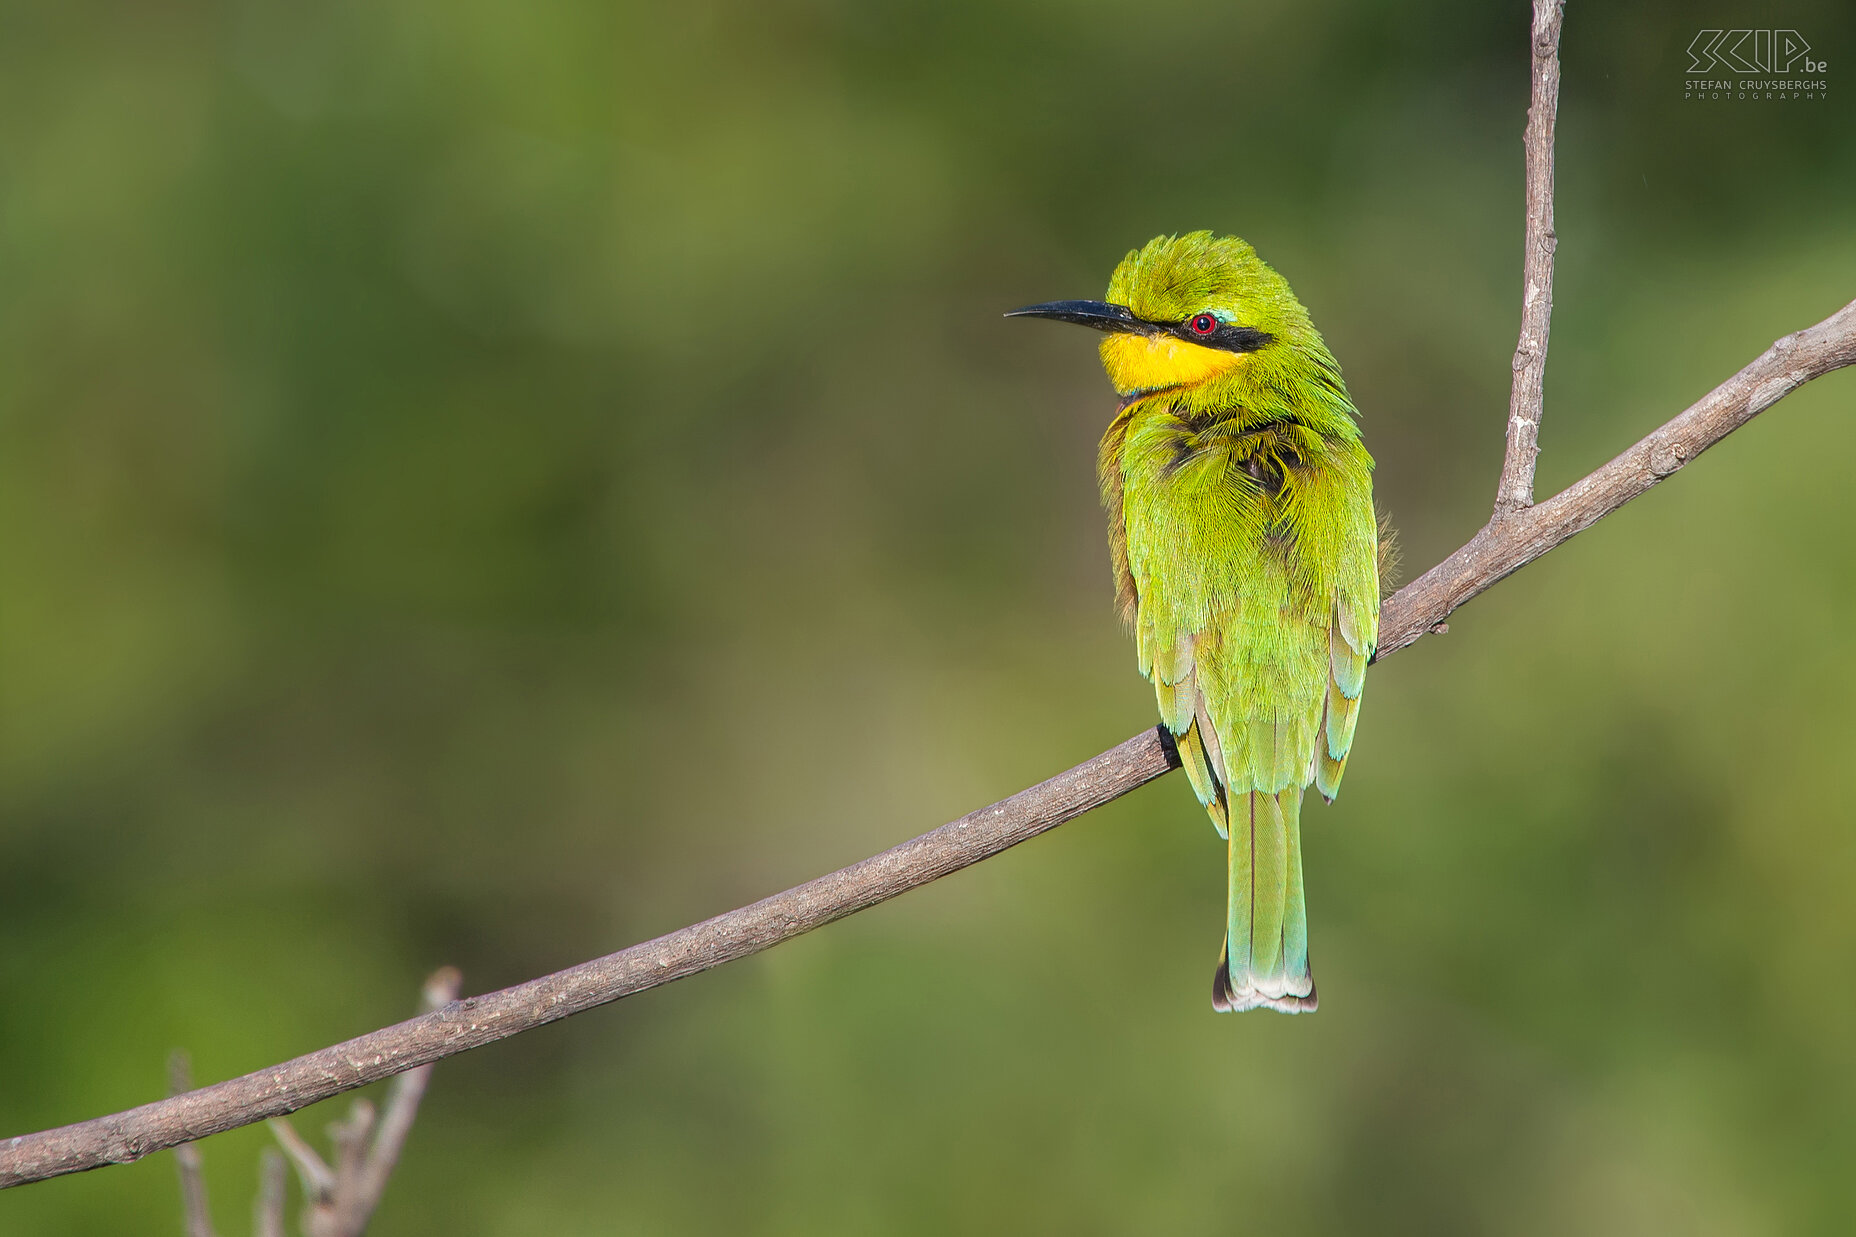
[1510, 541]
[1526, 398]
[475, 1021]
[338, 1201]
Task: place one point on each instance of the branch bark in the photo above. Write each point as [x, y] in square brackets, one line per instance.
[1527, 397]
[1517, 533]
[337, 1201]
[476, 1021]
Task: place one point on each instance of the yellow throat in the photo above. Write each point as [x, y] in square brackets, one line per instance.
[1151, 362]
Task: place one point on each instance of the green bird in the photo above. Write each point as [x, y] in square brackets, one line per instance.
[1246, 559]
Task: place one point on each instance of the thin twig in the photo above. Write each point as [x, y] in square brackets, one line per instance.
[350, 1139]
[267, 1213]
[197, 1215]
[317, 1178]
[1526, 399]
[326, 1216]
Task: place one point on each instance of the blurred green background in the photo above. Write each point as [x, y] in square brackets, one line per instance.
[487, 484]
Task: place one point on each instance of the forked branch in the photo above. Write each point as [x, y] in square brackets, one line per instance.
[338, 1201]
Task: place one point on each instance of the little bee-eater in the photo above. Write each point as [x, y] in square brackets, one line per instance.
[1246, 559]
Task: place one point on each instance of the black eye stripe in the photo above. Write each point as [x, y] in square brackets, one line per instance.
[1223, 335]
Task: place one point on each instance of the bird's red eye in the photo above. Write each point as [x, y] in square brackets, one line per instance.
[1204, 324]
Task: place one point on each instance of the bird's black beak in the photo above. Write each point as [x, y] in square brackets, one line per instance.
[1098, 314]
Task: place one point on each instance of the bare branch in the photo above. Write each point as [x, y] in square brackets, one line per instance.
[198, 1217]
[1526, 399]
[476, 1021]
[338, 1201]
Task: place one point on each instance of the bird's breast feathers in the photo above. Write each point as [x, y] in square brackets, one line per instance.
[1214, 507]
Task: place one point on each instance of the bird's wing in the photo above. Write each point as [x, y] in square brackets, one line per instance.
[1353, 637]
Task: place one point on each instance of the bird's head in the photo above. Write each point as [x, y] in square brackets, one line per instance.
[1193, 314]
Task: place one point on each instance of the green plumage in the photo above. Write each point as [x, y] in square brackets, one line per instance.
[1246, 553]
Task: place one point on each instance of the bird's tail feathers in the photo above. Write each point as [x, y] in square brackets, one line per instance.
[1265, 959]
